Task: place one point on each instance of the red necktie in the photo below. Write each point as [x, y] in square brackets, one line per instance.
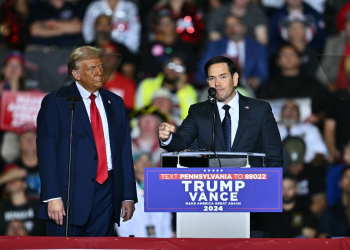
[97, 129]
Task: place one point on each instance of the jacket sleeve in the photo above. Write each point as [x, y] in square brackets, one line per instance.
[47, 147]
[129, 183]
[271, 140]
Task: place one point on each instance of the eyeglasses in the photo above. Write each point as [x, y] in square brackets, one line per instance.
[176, 67]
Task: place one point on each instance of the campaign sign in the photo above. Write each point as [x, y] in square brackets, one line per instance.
[19, 108]
[213, 190]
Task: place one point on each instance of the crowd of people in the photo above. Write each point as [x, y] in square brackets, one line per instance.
[292, 53]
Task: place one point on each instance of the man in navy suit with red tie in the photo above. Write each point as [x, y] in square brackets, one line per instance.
[242, 125]
[103, 184]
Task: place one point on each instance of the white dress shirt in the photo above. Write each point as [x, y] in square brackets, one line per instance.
[99, 103]
[234, 113]
[237, 49]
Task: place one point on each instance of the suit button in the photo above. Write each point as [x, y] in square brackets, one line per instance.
[95, 158]
[92, 179]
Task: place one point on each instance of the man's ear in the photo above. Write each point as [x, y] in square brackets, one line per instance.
[235, 79]
[76, 75]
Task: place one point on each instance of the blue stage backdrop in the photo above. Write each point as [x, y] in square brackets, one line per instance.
[213, 190]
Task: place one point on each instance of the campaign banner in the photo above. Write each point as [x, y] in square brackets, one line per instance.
[18, 108]
[213, 190]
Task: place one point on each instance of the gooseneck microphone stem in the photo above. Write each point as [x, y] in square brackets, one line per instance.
[212, 100]
[212, 148]
[72, 100]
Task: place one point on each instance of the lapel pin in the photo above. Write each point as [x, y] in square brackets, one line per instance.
[109, 101]
[247, 107]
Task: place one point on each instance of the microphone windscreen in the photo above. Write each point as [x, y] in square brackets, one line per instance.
[212, 92]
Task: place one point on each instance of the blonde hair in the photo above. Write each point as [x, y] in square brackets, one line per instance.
[81, 54]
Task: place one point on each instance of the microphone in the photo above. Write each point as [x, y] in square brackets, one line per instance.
[212, 95]
[74, 98]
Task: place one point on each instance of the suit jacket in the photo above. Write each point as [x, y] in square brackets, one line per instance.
[255, 64]
[53, 125]
[257, 131]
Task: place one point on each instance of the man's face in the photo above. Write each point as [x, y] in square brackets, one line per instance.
[13, 69]
[103, 27]
[163, 104]
[172, 70]
[57, 3]
[241, 3]
[234, 29]
[89, 74]
[344, 182]
[288, 59]
[346, 156]
[110, 60]
[15, 186]
[296, 32]
[290, 114]
[166, 25]
[219, 77]
[149, 124]
[289, 190]
[347, 29]
[27, 142]
[295, 169]
[294, 3]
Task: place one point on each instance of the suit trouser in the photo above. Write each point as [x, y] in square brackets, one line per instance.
[100, 221]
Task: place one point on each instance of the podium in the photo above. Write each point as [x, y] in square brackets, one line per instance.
[208, 224]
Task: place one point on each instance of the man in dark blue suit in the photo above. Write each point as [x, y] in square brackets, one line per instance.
[249, 56]
[102, 178]
[242, 125]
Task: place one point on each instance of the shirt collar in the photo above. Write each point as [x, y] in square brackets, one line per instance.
[84, 93]
[233, 103]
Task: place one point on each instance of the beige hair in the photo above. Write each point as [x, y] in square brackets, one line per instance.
[81, 54]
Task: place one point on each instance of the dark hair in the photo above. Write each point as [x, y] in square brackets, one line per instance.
[346, 168]
[221, 59]
[287, 45]
[290, 177]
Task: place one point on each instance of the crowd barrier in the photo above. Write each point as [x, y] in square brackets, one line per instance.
[7, 242]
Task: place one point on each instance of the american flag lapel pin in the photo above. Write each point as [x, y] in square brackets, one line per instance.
[246, 107]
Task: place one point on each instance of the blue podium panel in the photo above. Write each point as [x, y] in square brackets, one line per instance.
[213, 190]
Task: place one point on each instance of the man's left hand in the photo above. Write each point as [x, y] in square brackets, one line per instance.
[128, 208]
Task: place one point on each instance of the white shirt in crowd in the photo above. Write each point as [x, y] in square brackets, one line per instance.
[125, 20]
[137, 226]
[311, 136]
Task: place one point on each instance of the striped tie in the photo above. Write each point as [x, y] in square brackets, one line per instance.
[226, 127]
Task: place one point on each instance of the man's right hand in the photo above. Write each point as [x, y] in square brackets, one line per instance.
[165, 130]
[55, 210]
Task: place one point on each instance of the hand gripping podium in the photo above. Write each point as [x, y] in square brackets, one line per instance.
[225, 223]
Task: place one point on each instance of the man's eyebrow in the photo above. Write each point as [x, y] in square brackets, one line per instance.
[219, 75]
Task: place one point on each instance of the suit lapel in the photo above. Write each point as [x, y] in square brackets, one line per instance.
[219, 134]
[111, 121]
[81, 112]
[244, 117]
